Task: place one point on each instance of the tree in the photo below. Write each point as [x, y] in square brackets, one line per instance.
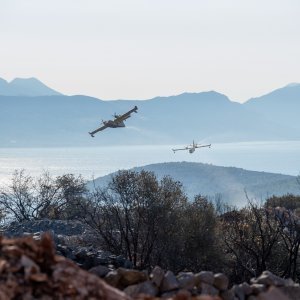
[288, 201]
[251, 235]
[133, 212]
[201, 251]
[27, 198]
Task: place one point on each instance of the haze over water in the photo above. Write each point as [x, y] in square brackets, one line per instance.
[93, 162]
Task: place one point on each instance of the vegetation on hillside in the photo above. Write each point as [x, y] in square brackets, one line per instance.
[151, 222]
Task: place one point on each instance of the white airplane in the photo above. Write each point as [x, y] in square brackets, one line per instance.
[192, 147]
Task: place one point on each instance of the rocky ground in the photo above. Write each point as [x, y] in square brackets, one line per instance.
[73, 240]
[31, 268]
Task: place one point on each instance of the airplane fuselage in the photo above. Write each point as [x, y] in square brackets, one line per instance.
[113, 124]
[192, 150]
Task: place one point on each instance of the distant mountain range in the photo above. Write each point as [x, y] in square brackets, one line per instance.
[39, 118]
[233, 185]
[28, 87]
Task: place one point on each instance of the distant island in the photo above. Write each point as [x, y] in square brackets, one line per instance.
[231, 185]
[33, 115]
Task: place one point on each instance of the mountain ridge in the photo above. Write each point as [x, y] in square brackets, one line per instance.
[30, 87]
[59, 120]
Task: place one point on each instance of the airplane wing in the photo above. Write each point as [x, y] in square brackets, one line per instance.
[185, 148]
[201, 146]
[126, 115]
[97, 130]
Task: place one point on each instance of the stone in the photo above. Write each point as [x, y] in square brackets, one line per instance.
[227, 295]
[146, 287]
[169, 282]
[30, 270]
[238, 292]
[186, 281]
[267, 278]
[182, 295]
[157, 276]
[205, 276]
[292, 292]
[130, 277]
[113, 278]
[272, 294]
[221, 281]
[169, 294]
[207, 289]
[258, 288]
[100, 271]
[246, 288]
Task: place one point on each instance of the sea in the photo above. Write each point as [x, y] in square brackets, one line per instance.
[276, 157]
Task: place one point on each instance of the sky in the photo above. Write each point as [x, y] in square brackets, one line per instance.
[139, 49]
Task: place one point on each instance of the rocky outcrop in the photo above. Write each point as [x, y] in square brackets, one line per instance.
[56, 227]
[33, 261]
[73, 240]
[30, 269]
[187, 285]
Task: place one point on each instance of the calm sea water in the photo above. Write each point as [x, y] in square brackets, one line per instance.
[277, 157]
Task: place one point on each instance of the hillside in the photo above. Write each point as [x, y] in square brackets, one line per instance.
[230, 183]
[66, 120]
[281, 106]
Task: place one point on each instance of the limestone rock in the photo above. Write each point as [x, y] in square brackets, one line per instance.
[221, 281]
[146, 288]
[169, 282]
[206, 277]
[157, 276]
[272, 294]
[267, 278]
[186, 281]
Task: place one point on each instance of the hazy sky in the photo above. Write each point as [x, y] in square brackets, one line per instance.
[138, 49]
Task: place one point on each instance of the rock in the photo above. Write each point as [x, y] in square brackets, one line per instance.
[207, 289]
[292, 292]
[31, 270]
[258, 288]
[238, 292]
[182, 295]
[169, 295]
[246, 288]
[267, 278]
[221, 281]
[272, 294]
[169, 282]
[227, 295]
[157, 276]
[146, 287]
[186, 281]
[130, 277]
[113, 278]
[205, 276]
[100, 271]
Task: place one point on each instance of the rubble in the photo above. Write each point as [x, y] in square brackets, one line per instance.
[30, 269]
[203, 285]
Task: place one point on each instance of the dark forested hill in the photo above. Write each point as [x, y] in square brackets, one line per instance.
[232, 184]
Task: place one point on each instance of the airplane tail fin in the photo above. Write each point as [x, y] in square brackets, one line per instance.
[91, 134]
